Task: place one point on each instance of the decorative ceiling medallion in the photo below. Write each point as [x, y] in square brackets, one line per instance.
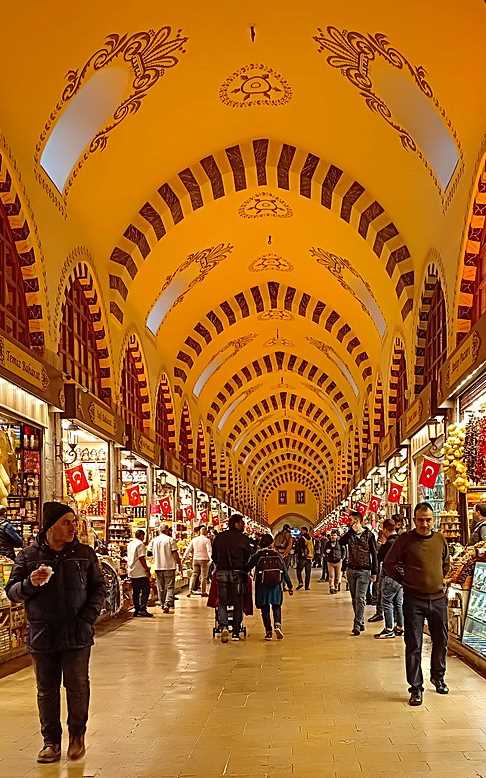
[149, 54]
[255, 86]
[351, 53]
[274, 314]
[279, 341]
[354, 283]
[265, 204]
[270, 262]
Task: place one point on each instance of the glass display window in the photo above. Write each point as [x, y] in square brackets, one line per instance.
[83, 449]
[21, 475]
[132, 513]
[474, 634]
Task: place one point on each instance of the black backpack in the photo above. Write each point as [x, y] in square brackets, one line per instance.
[269, 568]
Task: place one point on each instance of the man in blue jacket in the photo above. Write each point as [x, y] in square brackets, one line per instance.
[61, 584]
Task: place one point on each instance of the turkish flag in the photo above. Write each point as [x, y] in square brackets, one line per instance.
[395, 492]
[203, 515]
[430, 472]
[76, 478]
[134, 496]
[361, 507]
[374, 504]
[165, 506]
[189, 512]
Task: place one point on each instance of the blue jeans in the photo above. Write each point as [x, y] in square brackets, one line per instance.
[392, 603]
[358, 582]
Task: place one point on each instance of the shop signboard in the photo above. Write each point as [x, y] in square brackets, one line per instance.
[462, 363]
[193, 476]
[92, 413]
[389, 444]
[419, 412]
[37, 377]
[208, 486]
[144, 445]
[172, 464]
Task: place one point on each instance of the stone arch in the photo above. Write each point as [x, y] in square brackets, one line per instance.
[379, 412]
[212, 463]
[201, 452]
[476, 224]
[164, 415]
[269, 164]
[433, 276]
[222, 477]
[132, 344]
[398, 357]
[186, 438]
[24, 233]
[299, 463]
[83, 274]
[286, 445]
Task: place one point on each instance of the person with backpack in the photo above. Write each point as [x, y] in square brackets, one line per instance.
[362, 566]
[9, 537]
[270, 575]
[304, 549]
[333, 556]
[479, 524]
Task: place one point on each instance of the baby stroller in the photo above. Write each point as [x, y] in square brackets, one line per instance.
[213, 602]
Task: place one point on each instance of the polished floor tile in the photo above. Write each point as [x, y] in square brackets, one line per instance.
[168, 701]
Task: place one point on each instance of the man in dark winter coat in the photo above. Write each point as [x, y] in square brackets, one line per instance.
[362, 566]
[231, 552]
[61, 584]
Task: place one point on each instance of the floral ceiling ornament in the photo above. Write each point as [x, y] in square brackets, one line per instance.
[148, 53]
[265, 204]
[255, 86]
[275, 314]
[354, 283]
[270, 262]
[351, 53]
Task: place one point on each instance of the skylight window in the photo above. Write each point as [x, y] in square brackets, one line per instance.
[87, 113]
[414, 111]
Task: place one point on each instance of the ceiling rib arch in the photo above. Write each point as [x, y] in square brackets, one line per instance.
[282, 441]
[258, 163]
[303, 450]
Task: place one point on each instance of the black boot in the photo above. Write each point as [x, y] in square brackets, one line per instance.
[440, 686]
[416, 697]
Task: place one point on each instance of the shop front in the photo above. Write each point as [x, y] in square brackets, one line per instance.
[203, 502]
[29, 389]
[462, 388]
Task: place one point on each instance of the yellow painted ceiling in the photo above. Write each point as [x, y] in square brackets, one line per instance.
[270, 235]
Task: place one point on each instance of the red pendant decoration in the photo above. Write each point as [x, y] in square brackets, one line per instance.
[76, 478]
[429, 473]
[395, 492]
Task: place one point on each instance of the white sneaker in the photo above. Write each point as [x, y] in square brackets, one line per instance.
[279, 632]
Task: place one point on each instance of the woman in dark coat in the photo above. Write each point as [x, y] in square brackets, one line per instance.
[270, 575]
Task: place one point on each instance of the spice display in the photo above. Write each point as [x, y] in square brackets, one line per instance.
[455, 468]
[475, 448]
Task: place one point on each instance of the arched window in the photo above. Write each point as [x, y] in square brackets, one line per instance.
[435, 335]
[131, 396]
[78, 347]
[479, 293]
[14, 317]
[402, 386]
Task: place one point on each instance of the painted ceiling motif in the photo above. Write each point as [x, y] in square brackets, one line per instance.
[259, 203]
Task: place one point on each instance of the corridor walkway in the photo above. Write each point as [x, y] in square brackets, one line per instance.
[169, 701]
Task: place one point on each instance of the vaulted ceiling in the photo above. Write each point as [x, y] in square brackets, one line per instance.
[262, 201]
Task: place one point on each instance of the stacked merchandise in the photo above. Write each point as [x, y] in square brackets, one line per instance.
[12, 619]
[20, 476]
[475, 448]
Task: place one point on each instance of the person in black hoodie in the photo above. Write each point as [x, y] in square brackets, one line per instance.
[392, 591]
[362, 566]
[61, 584]
[231, 552]
[333, 555]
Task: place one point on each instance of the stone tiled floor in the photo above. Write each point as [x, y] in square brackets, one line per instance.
[169, 701]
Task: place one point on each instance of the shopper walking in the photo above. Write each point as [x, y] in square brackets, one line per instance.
[166, 559]
[231, 553]
[478, 533]
[9, 537]
[391, 590]
[304, 550]
[362, 566]
[199, 550]
[283, 543]
[139, 574]
[61, 584]
[270, 575]
[420, 560]
[333, 555]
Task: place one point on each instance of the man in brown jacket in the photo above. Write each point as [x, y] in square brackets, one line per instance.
[420, 561]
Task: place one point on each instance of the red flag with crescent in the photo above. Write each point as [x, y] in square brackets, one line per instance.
[189, 512]
[203, 515]
[429, 473]
[165, 506]
[374, 504]
[361, 507]
[76, 478]
[395, 492]
[134, 496]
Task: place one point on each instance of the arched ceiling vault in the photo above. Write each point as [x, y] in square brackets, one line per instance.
[263, 228]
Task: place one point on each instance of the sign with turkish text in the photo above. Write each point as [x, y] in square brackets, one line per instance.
[173, 464]
[429, 473]
[419, 412]
[22, 364]
[467, 357]
[92, 413]
[389, 444]
[395, 492]
[76, 478]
